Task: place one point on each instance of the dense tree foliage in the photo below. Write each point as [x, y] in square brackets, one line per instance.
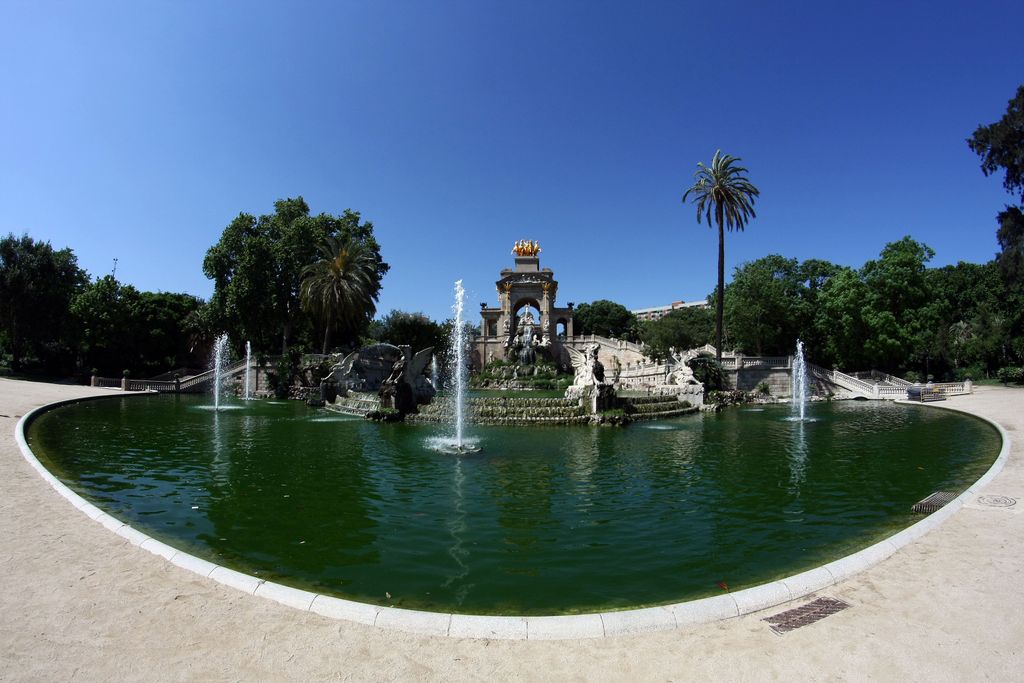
[1001, 145]
[607, 319]
[893, 314]
[722, 191]
[763, 305]
[896, 310]
[55, 321]
[412, 329]
[340, 288]
[257, 269]
[686, 328]
[37, 284]
[1011, 242]
[121, 328]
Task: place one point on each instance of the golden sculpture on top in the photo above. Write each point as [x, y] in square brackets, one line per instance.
[526, 248]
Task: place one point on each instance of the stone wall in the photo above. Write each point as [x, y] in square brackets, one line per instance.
[748, 379]
[779, 381]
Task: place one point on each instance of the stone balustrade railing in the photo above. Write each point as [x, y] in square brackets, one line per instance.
[168, 386]
[891, 391]
[642, 375]
[751, 362]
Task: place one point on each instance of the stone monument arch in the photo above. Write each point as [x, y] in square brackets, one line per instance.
[527, 284]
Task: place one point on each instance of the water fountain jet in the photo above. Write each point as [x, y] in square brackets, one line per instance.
[248, 366]
[219, 355]
[798, 384]
[458, 445]
[433, 372]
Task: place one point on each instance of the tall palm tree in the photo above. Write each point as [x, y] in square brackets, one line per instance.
[723, 191]
[340, 286]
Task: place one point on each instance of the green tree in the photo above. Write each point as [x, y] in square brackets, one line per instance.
[412, 329]
[37, 284]
[972, 316]
[708, 372]
[103, 313]
[257, 269]
[160, 332]
[814, 274]
[839, 322]
[723, 191]
[339, 289]
[606, 319]
[685, 328]
[895, 307]
[763, 305]
[147, 333]
[882, 316]
[1001, 145]
[1011, 242]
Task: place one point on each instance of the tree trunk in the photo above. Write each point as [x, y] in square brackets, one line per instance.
[15, 346]
[720, 304]
[327, 337]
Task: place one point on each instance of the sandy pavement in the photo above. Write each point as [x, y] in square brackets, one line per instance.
[79, 603]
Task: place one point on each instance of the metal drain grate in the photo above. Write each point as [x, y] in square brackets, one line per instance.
[816, 610]
[933, 502]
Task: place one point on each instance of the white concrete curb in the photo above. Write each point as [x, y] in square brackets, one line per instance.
[604, 624]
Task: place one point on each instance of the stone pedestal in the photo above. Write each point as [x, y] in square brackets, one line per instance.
[596, 398]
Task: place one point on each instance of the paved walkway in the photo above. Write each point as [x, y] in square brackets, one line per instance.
[79, 603]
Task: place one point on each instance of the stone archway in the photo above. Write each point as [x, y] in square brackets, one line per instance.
[525, 285]
[525, 303]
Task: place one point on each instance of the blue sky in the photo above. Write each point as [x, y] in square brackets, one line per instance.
[138, 130]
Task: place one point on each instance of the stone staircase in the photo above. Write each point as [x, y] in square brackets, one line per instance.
[506, 410]
[656, 407]
[356, 403]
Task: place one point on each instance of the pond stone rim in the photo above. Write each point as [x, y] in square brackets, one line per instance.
[556, 627]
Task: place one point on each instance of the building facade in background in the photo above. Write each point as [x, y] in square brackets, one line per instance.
[659, 312]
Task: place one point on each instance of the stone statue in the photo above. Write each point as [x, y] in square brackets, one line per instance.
[407, 385]
[682, 374]
[397, 372]
[343, 370]
[513, 341]
[589, 370]
[589, 385]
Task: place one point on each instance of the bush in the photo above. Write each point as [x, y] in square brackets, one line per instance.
[764, 389]
[912, 377]
[971, 372]
[708, 372]
[281, 377]
[1011, 374]
[727, 398]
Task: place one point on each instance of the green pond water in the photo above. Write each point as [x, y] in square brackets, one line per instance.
[542, 521]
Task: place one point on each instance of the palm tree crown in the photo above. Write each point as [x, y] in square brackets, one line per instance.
[339, 288]
[722, 191]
